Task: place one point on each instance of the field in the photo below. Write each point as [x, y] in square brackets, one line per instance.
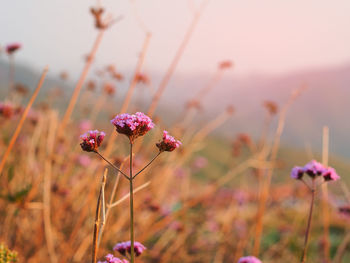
[85, 164]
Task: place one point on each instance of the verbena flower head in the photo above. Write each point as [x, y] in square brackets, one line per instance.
[249, 259]
[168, 144]
[112, 259]
[124, 247]
[92, 140]
[314, 169]
[297, 172]
[344, 211]
[11, 48]
[329, 174]
[134, 125]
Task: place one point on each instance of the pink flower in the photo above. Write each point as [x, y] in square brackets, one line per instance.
[112, 259]
[84, 160]
[11, 48]
[134, 125]
[92, 140]
[124, 247]
[330, 174]
[297, 172]
[314, 169]
[200, 162]
[249, 259]
[168, 143]
[345, 211]
[85, 125]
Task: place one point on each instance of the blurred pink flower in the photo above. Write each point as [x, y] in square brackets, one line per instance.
[180, 172]
[11, 48]
[200, 162]
[85, 125]
[124, 247]
[249, 259]
[314, 169]
[112, 259]
[84, 160]
[297, 172]
[329, 174]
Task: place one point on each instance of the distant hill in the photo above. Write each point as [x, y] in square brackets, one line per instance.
[325, 102]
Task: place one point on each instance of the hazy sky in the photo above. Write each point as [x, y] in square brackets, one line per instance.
[268, 36]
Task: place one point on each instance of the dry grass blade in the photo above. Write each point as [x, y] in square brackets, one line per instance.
[99, 207]
[24, 116]
[325, 201]
[164, 82]
[47, 187]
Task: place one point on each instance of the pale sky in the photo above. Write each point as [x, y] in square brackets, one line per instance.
[260, 36]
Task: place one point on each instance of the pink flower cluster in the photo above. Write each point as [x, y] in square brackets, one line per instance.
[124, 247]
[134, 125]
[168, 144]
[314, 169]
[11, 48]
[249, 259]
[112, 259]
[92, 140]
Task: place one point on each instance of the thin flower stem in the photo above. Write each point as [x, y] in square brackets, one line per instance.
[307, 233]
[155, 157]
[308, 186]
[111, 164]
[127, 195]
[132, 252]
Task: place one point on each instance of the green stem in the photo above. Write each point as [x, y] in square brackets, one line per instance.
[111, 164]
[155, 157]
[307, 233]
[132, 252]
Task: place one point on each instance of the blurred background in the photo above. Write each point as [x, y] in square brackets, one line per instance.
[275, 46]
[226, 74]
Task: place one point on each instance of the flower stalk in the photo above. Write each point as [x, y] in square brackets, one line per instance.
[132, 236]
[307, 233]
[132, 126]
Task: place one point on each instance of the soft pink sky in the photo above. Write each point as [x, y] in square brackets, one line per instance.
[261, 36]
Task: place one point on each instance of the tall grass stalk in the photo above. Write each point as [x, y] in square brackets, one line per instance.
[23, 118]
[165, 80]
[324, 190]
[130, 92]
[76, 92]
[267, 182]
